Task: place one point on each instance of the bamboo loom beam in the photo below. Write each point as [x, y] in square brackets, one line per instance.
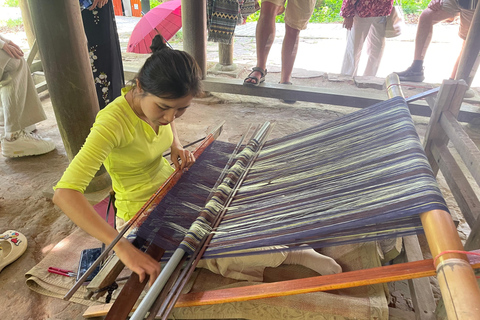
[422, 295]
[397, 272]
[456, 278]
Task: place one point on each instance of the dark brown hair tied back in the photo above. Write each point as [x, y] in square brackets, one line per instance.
[169, 73]
[158, 43]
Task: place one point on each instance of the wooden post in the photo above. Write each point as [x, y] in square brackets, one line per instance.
[469, 61]
[194, 26]
[27, 22]
[225, 54]
[63, 46]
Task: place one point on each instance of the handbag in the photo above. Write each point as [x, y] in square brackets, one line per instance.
[395, 21]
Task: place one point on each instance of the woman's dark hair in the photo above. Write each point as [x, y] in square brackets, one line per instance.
[169, 73]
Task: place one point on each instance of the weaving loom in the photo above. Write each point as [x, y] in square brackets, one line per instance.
[365, 170]
[358, 178]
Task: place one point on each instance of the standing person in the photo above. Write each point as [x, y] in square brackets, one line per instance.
[364, 20]
[437, 11]
[297, 14]
[20, 106]
[104, 50]
[129, 137]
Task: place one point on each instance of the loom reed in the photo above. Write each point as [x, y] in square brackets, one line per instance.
[196, 230]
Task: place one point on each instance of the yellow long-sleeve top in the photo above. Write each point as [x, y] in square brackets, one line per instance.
[131, 152]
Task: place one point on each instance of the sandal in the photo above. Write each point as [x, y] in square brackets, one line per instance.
[257, 80]
[288, 101]
[12, 245]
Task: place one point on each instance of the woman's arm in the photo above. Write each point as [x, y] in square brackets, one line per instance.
[74, 204]
[187, 158]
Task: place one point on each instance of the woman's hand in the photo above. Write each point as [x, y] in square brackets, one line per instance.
[137, 261]
[187, 159]
[97, 3]
[348, 23]
[13, 50]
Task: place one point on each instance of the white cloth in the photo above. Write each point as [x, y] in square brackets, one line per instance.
[18, 96]
[373, 31]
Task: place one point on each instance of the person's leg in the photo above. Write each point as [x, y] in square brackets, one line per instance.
[427, 20]
[375, 45]
[289, 52]
[21, 108]
[311, 259]
[355, 40]
[297, 14]
[20, 102]
[466, 17]
[265, 34]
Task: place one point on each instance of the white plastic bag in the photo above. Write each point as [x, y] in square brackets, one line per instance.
[395, 22]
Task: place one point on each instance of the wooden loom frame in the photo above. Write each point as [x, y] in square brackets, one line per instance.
[459, 288]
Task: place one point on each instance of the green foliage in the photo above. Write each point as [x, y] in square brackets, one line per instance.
[177, 38]
[329, 10]
[11, 23]
[154, 3]
[11, 3]
[414, 6]
[326, 11]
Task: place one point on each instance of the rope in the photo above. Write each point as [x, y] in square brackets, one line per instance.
[454, 251]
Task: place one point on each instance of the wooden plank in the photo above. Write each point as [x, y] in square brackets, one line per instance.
[107, 275]
[422, 295]
[466, 148]
[473, 240]
[434, 130]
[42, 86]
[344, 280]
[36, 66]
[461, 189]
[357, 98]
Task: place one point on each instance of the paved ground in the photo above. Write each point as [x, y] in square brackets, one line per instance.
[321, 47]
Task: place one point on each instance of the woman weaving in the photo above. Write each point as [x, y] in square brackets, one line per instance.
[129, 137]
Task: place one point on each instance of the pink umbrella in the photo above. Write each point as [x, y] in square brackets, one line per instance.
[165, 19]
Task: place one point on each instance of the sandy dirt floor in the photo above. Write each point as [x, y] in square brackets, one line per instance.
[24, 182]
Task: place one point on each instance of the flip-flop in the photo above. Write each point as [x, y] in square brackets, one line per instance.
[288, 101]
[12, 245]
[257, 80]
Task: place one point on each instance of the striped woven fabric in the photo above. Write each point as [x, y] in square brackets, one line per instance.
[361, 177]
[222, 19]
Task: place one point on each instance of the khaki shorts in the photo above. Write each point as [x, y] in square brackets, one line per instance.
[297, 13]
[451, 6]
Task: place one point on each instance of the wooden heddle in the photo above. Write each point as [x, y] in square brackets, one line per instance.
[360, 177]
